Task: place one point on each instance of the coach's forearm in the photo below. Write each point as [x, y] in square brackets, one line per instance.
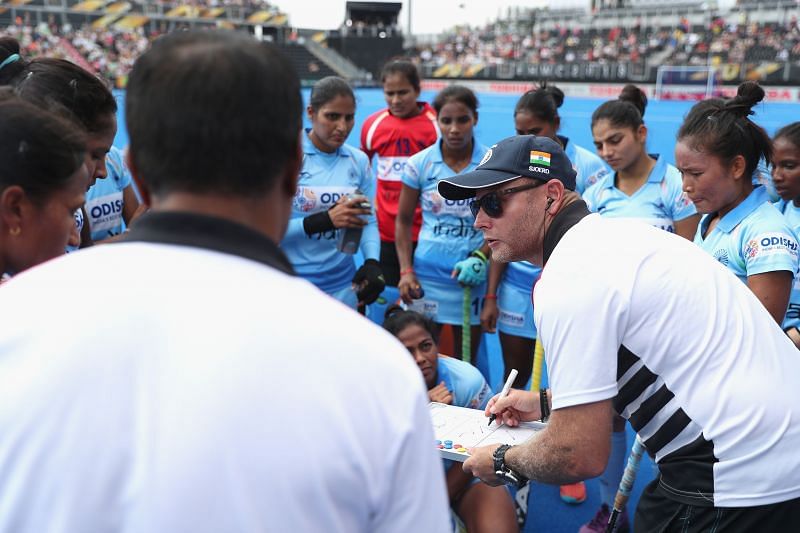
[575, 446]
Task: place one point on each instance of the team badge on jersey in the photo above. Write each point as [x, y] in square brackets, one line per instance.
[305, 200]
[770, 244]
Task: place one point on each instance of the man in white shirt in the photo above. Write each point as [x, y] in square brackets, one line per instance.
[223, 393]
[637, 321]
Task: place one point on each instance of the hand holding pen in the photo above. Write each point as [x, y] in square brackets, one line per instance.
[506, 388]
[514, 406]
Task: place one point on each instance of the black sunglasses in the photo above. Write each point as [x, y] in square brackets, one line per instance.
[491, 204]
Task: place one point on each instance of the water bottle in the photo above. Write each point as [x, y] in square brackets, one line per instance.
[350, 238]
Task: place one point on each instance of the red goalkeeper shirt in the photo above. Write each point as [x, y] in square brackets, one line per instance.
[394, 140]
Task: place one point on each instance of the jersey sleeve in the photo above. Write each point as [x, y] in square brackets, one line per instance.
[769, 246]
[117, 169]
[370, 240]
[294, 230]
[590, 197]
[411, 172]
[478, 391]
[369, 150]
[578, 336]
[677, 202]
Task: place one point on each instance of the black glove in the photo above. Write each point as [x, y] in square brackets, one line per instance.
[317, 223]
[369, 282]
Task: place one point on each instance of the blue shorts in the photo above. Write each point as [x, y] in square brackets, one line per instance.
[444, 300]
[515, 312]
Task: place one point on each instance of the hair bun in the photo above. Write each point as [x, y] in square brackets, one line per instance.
[748, 94]
[634, 95]
[8, 47]
[556, 93]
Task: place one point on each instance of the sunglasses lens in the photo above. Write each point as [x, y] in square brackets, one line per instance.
[474, 206]
[490, 204]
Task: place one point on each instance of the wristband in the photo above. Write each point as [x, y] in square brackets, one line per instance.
[544, 406]
[490, 297]
[318, 223]
[479, 255]
[406, 271]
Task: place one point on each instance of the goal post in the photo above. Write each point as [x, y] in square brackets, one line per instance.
[685, 83]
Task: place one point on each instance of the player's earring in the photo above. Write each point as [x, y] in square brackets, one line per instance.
[14, 232]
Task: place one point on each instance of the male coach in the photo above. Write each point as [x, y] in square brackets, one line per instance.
[638, 321]
[222, 393]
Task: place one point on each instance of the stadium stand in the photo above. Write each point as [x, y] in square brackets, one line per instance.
[753, 40]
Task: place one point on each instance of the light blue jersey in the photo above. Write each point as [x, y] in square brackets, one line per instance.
[791, 213]
[447, 235]
[753, 238]
[763, 176]
[78, 215]
[589, 166]
[464, 381]
[324, 179]
[516, 318]
[660, 202]
[104, 201]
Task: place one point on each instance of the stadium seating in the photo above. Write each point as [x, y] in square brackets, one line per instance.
[108, 35]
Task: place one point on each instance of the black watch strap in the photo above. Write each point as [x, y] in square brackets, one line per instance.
[502, 471]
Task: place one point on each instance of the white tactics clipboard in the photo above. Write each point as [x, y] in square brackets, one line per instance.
[469, 428]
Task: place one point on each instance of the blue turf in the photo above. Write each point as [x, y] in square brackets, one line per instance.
[547, 513]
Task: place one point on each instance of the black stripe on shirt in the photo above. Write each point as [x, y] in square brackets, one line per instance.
[634, 388]
[668, 431]
[625, 360]
[650, 407]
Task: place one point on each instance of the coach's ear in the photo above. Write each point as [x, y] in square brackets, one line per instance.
[141, 187]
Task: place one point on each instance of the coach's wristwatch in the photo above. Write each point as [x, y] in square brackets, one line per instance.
[502, 471]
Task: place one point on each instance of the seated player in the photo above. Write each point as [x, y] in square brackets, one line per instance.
[455, 382]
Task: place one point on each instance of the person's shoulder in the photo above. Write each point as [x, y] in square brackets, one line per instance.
[586, 156]
[426, 154]
[357, 155]
[766, 214]
[462, 368]
[381, 113]
[672, 174]
[766, 218]
[591, 192]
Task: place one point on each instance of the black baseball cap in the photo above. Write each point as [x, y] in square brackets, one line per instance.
[521, 156]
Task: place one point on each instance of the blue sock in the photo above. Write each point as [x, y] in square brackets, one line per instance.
[609, 481]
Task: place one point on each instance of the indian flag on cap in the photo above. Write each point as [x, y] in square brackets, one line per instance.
[540, 158]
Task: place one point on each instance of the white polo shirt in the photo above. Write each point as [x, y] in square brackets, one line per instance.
[687, 352]
[223, 394]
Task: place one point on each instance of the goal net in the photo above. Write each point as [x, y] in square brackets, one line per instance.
[685, 83]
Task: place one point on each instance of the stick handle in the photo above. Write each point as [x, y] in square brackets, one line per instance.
[466, 326]
[626, 484]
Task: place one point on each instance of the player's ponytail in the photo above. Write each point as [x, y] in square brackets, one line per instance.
[635, 96]
[722, 128]
[627, 111]
[542, 102]
[11, 61]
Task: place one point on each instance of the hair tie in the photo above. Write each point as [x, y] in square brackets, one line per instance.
[13, 58]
